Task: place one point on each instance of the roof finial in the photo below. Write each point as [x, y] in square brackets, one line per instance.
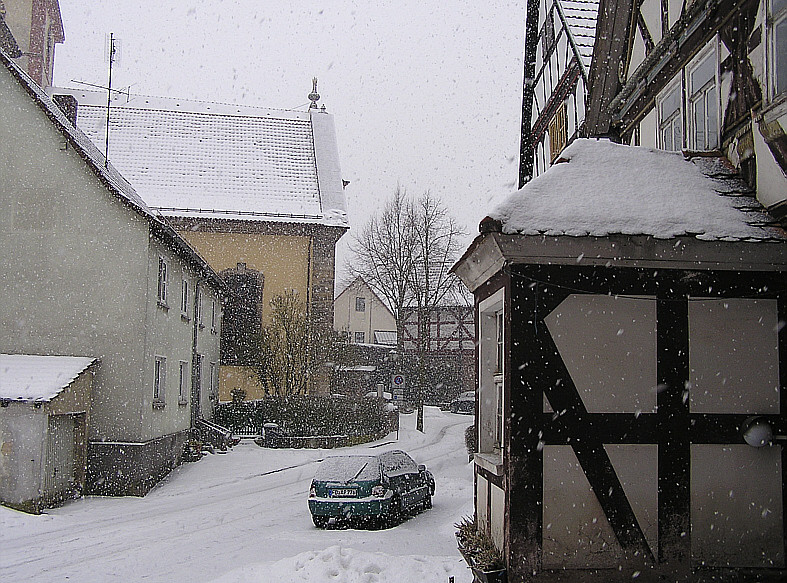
[314, 97]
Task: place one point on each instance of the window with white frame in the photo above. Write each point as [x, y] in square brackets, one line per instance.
[184, 299]
[213, 316]
[491, 376]
[183, 380]
[360, 337]
[159, 379]
[703, 102]
[777, 44]
[499, 363]
[670, 115]
[198, 307]
[162, 281]
[214, 382]
[360, 304]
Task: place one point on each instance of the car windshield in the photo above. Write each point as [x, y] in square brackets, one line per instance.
[348, 468]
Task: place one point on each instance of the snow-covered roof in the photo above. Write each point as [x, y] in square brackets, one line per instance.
[581, 18]
[604, 188]
[196, 159]
[25, 377]
[106, 172]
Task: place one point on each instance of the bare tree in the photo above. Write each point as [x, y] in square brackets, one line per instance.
[438, 243]
[384, 254]
[283, 367]
[404, 254]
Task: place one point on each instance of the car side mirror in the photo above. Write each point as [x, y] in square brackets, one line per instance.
[421, 468]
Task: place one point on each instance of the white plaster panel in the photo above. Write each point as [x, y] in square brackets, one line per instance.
[609, 347]
[497, 522]
[637, 53]
[637, 467]
[675, 9]
[651, 13]
[733, 356]
[736, 506]
[648, 130]
[481, 500]
[576, 531]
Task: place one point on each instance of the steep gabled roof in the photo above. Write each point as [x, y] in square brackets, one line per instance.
[107, 173]
[195, 159]
[581, 17]
[29, 378]
[602, 188]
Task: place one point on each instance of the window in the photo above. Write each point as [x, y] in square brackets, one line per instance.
[360, 304]
[558, 132]
[703, 103]
[184, 300]
[499, 342]
[162, 281]
[213, 317]
[778, 46]
[159, 380]
[360, 337]
[183, 380]
[214, 382]
[671, 118]
[499, 361]
[198, 307]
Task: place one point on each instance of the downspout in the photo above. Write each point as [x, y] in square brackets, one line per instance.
[195, 378]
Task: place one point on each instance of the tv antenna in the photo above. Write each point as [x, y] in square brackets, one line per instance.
[111, 56]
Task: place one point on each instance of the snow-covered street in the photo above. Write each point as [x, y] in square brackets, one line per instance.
[243, 518]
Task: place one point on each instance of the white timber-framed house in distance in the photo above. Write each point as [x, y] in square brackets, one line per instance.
[89, 270]
[257, 192]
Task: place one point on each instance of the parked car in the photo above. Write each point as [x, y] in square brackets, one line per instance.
[464, 403]
[369, 488]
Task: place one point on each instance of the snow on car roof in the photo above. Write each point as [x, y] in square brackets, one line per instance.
[396, 463]
[347, 468]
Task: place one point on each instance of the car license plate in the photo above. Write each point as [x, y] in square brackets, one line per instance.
[343, 493]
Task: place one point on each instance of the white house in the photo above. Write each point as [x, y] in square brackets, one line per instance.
[89, 270]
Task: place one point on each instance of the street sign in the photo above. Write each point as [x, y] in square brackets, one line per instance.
[397, 381]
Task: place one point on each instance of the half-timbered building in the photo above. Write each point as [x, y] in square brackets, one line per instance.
[630, 308]
[559, 52]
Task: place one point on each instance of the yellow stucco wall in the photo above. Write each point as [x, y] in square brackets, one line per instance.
[282, 259]
[284, 262]
[239, 377]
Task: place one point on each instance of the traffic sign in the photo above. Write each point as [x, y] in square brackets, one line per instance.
[397, 381]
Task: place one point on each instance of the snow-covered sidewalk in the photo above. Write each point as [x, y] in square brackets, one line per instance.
[243, 518]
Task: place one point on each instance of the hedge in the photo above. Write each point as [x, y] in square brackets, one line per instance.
[306, 415]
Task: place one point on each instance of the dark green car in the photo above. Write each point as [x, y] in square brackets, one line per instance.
[365, 487]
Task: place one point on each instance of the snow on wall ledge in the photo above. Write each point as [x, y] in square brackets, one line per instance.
[604, 188]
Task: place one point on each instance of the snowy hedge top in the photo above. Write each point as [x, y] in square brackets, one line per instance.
[24, 377]
[604, 188]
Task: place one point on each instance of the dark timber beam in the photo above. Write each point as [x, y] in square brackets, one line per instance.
[615, 25]
[528, 87]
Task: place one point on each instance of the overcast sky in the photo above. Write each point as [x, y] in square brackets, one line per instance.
[426, 94]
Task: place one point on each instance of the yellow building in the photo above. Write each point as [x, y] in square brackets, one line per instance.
[253, 190]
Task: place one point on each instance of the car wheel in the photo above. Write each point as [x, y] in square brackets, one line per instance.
[395, 512]
[320, 521]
